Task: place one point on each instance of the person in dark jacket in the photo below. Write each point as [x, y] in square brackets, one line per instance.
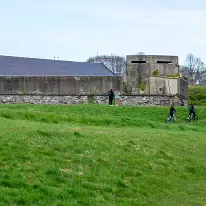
[191, 110]
[172, 111]
[111, 96]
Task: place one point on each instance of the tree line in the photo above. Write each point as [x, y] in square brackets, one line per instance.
[116, 64]
[193, 67]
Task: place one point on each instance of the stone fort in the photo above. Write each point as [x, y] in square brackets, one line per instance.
[149, 80]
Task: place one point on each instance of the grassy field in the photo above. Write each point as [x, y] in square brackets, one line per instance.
[101, 155]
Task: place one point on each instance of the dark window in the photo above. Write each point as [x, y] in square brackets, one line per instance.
[164, 62]
[139, 62]
[160, 89]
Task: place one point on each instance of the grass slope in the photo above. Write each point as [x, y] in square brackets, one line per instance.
[100, 155]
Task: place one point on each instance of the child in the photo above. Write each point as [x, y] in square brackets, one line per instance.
[117, 97]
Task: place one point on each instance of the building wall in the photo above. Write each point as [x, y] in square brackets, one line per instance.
[165, 64]
[59, 85]
[183, 85]
[163, 86]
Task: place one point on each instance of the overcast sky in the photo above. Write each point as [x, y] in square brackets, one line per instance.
[77, 29]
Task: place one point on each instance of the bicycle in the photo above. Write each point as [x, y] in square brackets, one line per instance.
[191, 118]
[171, 119]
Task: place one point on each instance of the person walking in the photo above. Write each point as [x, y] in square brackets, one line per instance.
[111, 97]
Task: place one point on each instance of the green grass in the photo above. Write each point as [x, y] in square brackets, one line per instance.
[117, 156]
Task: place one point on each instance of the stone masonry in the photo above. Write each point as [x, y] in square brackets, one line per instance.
[126, 100]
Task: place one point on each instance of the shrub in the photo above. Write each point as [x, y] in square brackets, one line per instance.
[156, 73]
[143, 86]
[127, 89]
[90, 99]
[197, 95]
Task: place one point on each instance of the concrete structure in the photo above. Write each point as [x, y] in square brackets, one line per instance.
[155, 75]
[140, 69]
[59, 85]
[38, 81]
[148, 63]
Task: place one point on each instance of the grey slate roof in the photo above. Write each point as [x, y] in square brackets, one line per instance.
[21, 66]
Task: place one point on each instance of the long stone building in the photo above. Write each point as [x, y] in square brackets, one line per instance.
[149, 80]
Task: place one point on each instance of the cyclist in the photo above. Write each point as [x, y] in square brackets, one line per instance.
[172, 111]
[192, 111]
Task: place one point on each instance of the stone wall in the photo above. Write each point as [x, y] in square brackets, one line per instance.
[126, 100]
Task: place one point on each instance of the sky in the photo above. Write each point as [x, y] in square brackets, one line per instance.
[75, 30]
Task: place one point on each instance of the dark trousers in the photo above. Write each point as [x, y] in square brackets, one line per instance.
[191, 112]
[110, 101]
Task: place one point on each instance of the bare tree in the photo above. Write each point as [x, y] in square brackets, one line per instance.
[193, 66]
[116, 64]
